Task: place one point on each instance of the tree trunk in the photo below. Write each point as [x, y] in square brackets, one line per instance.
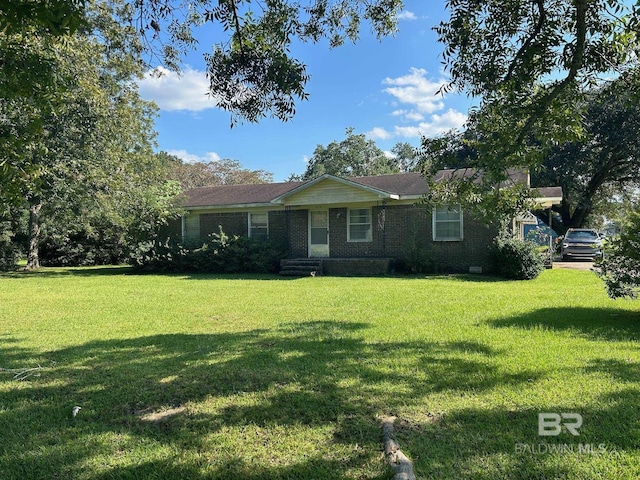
[33, 261]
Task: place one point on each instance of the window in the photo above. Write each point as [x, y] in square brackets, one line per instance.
[359, 228]
[447, 223]
[259, 225]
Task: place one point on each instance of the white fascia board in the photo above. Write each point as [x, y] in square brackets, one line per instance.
[547, 202]
[231, 206]
[408, 197]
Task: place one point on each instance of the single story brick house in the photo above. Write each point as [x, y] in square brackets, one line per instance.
[348, 225]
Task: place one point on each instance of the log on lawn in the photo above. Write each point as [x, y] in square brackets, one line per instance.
[398, 461]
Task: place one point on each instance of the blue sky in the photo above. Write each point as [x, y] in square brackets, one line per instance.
[384, 89]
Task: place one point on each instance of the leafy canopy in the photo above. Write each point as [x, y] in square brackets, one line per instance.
[251, 69]
[77, 148]
[531, 62]
[355, 156]
[217, 172]
[604, 162]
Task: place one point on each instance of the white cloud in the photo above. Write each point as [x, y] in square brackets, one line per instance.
[407, 15]
[409, 115]
[417, 90]
[437, 125]
[172, 92]
[191, 158]
[414, 116]
[379, 133]
[421, 118]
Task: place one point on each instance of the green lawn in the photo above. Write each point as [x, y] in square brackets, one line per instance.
[198, 377]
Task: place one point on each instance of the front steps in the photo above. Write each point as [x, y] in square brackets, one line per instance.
[301, 267]
[338, 267]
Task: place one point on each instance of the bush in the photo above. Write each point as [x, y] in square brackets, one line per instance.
[218, 254]
[517, 259]
[417, 254]
[81, 249]
[620, 269]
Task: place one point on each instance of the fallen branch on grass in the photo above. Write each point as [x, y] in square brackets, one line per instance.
[22, 373]
[398, 461]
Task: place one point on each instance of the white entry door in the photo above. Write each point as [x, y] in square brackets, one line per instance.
[318, 233]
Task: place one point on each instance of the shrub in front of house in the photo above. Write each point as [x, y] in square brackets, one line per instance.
[517, 259]
[417, 254]
[217, 254]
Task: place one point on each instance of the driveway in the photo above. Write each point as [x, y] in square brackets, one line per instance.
[575, 265]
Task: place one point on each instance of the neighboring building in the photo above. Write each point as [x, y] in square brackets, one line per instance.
[364, 218]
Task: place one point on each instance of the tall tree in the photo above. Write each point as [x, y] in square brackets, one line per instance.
[605, 160]
[84, 140]
[531, 63]
[217, 172]
[355, 156]
[405, 156]
[532, 57]
[598, 166]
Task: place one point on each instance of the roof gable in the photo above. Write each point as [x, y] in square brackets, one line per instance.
[328, 189]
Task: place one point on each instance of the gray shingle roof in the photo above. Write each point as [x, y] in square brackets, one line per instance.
[400, 184]
[405, 184]
[236, 194]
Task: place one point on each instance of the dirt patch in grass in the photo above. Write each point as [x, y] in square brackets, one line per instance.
[154, 416]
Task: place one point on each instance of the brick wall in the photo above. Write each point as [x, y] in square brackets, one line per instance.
[296, 222]
[394, 230]
[339, 247]
[456, 256]
[277, 227]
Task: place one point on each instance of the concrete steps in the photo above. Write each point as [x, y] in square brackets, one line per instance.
[301, 267]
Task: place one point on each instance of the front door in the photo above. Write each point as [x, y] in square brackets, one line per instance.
[318, 233]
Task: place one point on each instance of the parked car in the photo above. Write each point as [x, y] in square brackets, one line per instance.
[584, 243]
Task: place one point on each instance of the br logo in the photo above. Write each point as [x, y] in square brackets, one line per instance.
[550, 424]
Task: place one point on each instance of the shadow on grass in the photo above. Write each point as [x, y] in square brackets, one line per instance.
[460, 277]
[593, 323]
[313, 376]
[120, 270]
[54, 272]
[460, 444]
[206, 407]
[502, 443]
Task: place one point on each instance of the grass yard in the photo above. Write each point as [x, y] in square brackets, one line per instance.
[209, 377]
